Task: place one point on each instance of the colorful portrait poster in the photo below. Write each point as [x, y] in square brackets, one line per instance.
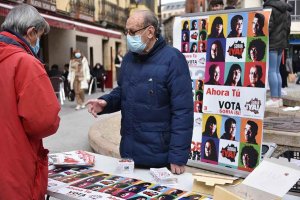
[227, 55]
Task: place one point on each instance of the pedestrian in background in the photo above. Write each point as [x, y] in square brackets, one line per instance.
[79, 77]
[118, 61]
[99, 72]
[215, 5]
[28, 106]
[54, 72]
[157, 112]
[231, 4]
[279, 30]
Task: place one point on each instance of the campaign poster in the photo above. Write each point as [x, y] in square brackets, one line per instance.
[227, 54]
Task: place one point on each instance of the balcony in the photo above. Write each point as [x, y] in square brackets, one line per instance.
[44, 4]
[16, 1]
[112, 15]
[82, 9]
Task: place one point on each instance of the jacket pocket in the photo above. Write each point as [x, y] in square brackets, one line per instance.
[155, 135]
[41, 178]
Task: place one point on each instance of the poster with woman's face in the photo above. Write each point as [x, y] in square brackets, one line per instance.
[216, 50]
[256, 49]
[234, 74]
[217, 26]
[209, 150]
[249, 156]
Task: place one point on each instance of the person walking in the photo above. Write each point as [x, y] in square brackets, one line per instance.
[118, 61]
[28, 106]
[157, 112]
[79, 77]
[279, 29]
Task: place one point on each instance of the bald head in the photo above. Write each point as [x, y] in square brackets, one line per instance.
[144, 25]
[144, 18]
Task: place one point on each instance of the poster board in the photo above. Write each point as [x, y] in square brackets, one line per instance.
[227, 54]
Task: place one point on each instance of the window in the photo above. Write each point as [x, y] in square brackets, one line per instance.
[296, 9]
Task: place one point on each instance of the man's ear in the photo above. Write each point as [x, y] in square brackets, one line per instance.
[151, 30]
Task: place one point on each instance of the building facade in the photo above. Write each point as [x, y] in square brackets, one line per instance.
[93, 26]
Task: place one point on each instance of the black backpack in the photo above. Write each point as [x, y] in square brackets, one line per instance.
[71, 95]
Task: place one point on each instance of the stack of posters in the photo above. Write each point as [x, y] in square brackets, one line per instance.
[77, 158]
[78, 183]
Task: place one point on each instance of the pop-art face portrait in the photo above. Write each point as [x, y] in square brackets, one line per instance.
[256, 50]
[192, 196]
[199, 95]
[249, 157]
[230, 128]
[202, 47]
[214, 74]
[211, 125]
[185, 25]
[209, 148]
[164, 197]
[194, 47]
[216, 50]
[237, 25]
[194, 24]
[255, 75]
[218, 26]
[251, 131]
[198, 106]
[257, 24]
[185, 47]
[185, 36]
[234, 73]
[203, 24]
[202, 35]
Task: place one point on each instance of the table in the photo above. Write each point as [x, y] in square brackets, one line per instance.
[109, 165]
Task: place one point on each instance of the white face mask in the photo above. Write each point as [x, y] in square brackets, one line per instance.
[135, 44]
[77, 55]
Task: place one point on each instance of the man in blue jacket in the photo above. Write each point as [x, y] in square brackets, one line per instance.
[155, 97]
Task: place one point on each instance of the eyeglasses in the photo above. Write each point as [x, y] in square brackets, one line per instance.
[132, 33]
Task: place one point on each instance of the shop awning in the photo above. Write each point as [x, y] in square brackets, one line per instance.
[58, 22]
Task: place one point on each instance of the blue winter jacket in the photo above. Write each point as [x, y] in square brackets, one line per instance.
[155, 97]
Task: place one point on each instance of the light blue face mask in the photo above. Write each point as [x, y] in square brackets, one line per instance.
[135, 44]
[36, 48]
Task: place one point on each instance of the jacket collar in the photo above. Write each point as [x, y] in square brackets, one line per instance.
[20, 40]
[159, 44]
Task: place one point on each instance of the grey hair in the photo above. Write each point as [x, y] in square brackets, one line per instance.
[22, 17]
[151, 19]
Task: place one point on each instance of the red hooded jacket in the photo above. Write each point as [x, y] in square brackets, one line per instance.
[28, 112]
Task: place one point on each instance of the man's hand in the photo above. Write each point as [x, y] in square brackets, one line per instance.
[95, 106]
[176, 169]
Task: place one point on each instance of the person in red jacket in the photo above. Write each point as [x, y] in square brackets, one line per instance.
[28, 106]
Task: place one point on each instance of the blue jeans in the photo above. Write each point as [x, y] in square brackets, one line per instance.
[274, 77]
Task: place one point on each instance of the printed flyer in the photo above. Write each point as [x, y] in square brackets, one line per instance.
[227, 56]
[88, 184]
